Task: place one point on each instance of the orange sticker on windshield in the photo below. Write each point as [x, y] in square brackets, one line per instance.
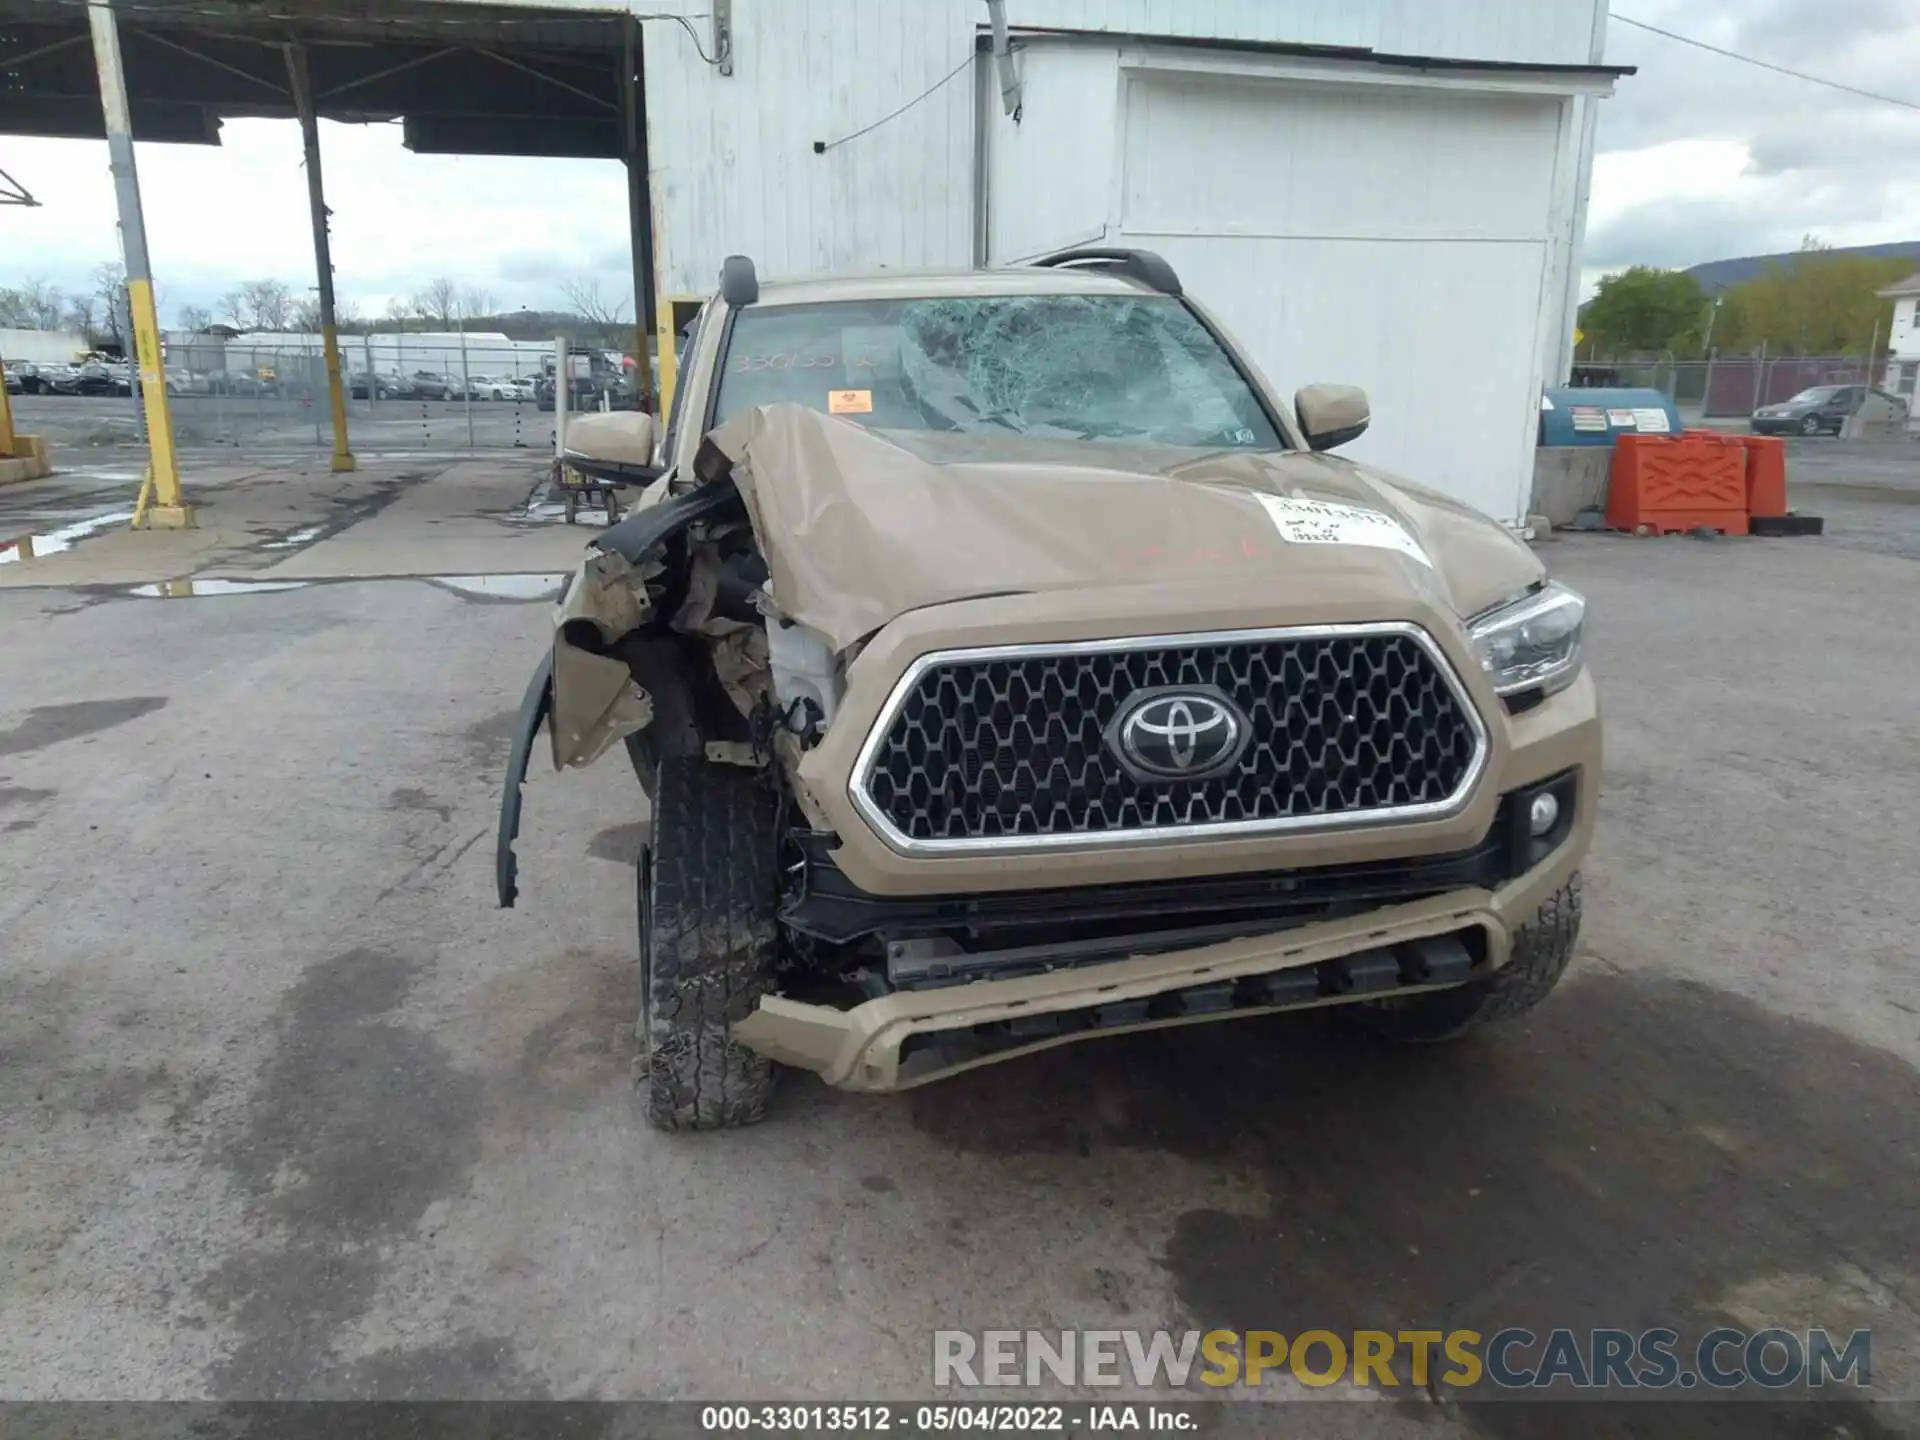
[849, 402]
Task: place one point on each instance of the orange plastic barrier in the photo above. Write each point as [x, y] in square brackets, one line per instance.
[1766, 474]
[1666, 483]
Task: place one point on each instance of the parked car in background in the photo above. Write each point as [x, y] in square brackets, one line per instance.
[179, 380]
[237, 383]
[429, 385]
[92, 376]
[24, 377]
[384, 387]
[1822, 410]
[499, 387]
[50, 378]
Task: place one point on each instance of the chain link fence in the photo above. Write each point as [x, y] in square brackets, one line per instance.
[1734, 386]
[267, 393]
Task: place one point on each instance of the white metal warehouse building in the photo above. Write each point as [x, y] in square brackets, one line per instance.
[1389, 193]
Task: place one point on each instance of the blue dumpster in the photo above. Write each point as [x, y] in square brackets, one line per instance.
[1575, 416]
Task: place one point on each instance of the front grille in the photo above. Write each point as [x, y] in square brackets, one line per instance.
[1008, 747]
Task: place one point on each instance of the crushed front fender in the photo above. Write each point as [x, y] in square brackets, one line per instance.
[533, 710]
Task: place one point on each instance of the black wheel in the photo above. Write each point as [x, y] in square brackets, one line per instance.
[1541, 951]
[573, 506]
[708, 941]
[1810, 425]
[613, 507]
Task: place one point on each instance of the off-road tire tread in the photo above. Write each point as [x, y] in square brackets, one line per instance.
[1541, 950]
[713, 945]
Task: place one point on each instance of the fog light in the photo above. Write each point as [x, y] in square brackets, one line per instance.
[1543, 813]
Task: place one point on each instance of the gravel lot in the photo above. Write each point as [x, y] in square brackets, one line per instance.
[288, 1108]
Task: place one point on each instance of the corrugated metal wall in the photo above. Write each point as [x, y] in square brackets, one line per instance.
[733, 163]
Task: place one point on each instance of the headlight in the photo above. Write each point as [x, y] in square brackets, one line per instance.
[1532, 641]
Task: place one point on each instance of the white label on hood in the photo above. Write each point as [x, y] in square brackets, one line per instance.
[1321, 522]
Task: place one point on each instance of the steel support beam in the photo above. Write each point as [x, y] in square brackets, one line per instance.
[633, 136]
[322, 252]
[161, 503]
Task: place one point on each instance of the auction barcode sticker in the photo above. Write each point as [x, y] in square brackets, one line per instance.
[1322, 522]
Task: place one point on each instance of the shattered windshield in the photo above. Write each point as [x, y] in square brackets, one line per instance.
[1080, 367]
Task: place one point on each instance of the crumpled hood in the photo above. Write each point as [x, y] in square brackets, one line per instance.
[859, 526]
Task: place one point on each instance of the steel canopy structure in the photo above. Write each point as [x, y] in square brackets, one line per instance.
[460, 78]
[463, 79]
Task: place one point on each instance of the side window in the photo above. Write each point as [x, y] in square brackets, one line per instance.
[686, 345]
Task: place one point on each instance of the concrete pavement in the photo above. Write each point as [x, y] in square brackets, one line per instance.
[288, 1108]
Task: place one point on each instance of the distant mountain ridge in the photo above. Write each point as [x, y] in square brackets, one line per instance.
[1717, 275]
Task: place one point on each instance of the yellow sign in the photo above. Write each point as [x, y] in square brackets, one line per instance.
[849, 402]
[1579, 336]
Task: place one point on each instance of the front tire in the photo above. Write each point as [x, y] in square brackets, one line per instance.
[1541, 949]
[1811, 425]
[708, 943]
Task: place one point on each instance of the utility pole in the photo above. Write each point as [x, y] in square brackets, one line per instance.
[161, 505]
[322, 252]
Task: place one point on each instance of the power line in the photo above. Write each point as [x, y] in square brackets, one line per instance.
[820, 147]
[1767, 64]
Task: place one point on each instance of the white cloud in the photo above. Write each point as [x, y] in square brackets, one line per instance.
[218, 215]
[1703, 157]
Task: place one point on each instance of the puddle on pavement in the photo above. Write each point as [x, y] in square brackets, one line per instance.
[194, 589]
[64, 537]
[504, 587]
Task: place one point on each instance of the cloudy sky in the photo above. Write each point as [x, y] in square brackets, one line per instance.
[1701, 158]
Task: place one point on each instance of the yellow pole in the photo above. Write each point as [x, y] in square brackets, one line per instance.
[169, 510]
[669, 362]
[7, 443]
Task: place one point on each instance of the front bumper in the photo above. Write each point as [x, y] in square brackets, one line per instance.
[882, 1044]
[887, 1043]
[913, 1035]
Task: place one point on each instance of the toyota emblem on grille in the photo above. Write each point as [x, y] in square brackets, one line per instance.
[1180, 733]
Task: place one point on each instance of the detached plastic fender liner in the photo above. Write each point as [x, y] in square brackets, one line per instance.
[534, 708]
[634, 536]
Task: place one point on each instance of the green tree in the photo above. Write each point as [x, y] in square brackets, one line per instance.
[1817, 303]
[1645, 308]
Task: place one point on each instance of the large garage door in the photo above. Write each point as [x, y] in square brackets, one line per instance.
[1367, 234]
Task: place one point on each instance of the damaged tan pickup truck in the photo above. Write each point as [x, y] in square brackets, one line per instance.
[1006, 666]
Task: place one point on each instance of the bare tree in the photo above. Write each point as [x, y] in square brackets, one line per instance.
[194, 317]
[82, 311]
[475, 302]
[601, 314]
[399, 312]
[306, 314]
[33, 305]
[347, 317]
[109, 280]
[269, 304]
[233, 309]
[438, 301]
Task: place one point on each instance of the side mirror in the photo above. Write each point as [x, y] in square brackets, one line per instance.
[1331, 415]
[613, 443]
